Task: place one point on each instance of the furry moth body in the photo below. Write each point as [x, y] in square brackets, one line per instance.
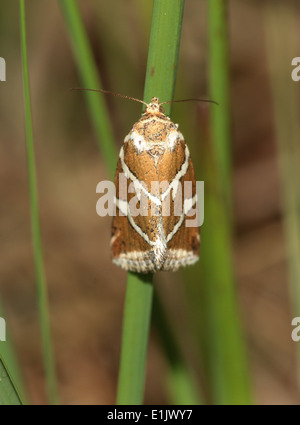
[154, 151]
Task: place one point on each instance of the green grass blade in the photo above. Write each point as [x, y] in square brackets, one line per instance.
[136, 325]
[181, 386]
[281, 48]
[90, 79]
[163, 50]
[224, 350]
[160, 82]
[8, 391]
[35, 225]
[225, 358]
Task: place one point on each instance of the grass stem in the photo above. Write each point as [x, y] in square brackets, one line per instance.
[90, 79]
[160, 82]
[35, 225]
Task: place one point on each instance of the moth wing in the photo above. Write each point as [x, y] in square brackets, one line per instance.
[135, 242]
[180, 197]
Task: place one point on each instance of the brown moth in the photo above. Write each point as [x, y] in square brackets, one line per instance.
[150, 231]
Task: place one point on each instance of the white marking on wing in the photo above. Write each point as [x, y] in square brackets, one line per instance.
[179, 257]
[160, 247]
[172, 139]
[175, 228]
[138, 141]
[122, 205]
[139, 261]
[137, 189]
[137, 183]
[189, 203]
[126, 211]
[175, 182]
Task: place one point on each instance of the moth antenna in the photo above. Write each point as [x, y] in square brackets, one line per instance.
[188, 100]
[110, 92]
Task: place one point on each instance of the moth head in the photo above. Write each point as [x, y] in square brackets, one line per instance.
[154, 107]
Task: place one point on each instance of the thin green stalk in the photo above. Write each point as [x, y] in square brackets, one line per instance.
[90, 79]
[281, 48]
[9, 394]
[35, 224]
[160, 82]
[224, 350]
[136, 323]
[223, 340]
[181, 385]
[163, 50]
[219, 90]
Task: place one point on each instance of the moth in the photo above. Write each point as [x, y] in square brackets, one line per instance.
[155, 167]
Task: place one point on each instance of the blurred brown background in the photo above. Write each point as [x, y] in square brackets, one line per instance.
[86, 291]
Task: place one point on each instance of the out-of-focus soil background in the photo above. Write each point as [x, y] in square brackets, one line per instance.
[86, 291]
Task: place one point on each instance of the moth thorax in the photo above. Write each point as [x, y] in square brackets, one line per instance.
[156, 150]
